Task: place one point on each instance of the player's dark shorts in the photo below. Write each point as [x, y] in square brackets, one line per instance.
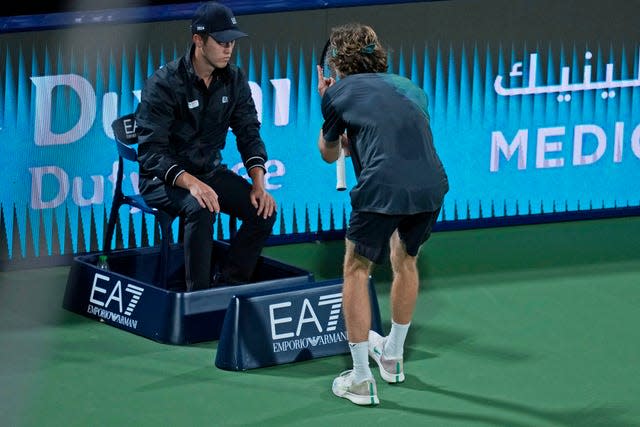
[371, 232]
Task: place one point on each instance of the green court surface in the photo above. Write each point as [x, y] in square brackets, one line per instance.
[517, 326]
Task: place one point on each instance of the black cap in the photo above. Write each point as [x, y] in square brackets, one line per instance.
[218, 21]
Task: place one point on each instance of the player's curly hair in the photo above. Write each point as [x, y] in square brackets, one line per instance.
[355, 49]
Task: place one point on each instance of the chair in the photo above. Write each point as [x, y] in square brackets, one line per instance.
[124, 130]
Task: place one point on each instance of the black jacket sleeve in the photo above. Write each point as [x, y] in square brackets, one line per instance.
[155, 114]
[246, 127]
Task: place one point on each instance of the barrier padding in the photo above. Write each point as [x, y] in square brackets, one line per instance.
[288, 325]
[125, 296]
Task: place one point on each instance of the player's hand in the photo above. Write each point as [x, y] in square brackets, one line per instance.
[262, 201]
[323, 82]
[346, 147]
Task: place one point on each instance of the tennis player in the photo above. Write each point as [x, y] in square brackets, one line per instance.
[401, 184]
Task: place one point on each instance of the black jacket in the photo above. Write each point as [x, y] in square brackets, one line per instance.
[182, 124]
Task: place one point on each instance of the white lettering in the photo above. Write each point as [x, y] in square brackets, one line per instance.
[274, 321]
[546, 144]
[116, 318]
[544, 147]
[499, 145]
[275, 169]
[45, 86]
[98, 191]
[306, 306]
[580, 159]
[635, 141]
[95, 288]
[281, 103]
[116, 295]
[256, 94]
[43, 113]
[109, 112]
[36, 186]
[62, 181]
[617, 142]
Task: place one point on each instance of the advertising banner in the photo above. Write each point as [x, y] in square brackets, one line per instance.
[528, 118]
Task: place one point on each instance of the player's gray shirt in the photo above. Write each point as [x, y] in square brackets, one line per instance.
[395, 161]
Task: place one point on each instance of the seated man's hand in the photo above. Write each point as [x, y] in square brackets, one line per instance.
[262, 201]
[205, 195]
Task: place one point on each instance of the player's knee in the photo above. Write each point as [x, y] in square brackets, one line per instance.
[403, 262]
[355, 265]
[398, 254]
[355, 270]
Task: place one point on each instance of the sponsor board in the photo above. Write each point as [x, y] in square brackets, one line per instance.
[292, 325]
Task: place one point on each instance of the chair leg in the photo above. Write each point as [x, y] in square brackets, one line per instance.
[181, 230]
[233, 227]
[165, 227]
[111, 225]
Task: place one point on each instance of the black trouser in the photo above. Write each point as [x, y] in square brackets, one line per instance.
[233, 196]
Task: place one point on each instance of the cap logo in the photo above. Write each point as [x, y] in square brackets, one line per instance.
[217, 20]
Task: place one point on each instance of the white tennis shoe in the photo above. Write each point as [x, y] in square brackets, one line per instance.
[364, 393]
[391, 370]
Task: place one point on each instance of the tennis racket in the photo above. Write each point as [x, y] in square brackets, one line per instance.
[327, 71]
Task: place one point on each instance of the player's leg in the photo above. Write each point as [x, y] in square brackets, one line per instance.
[367, 242]
[404, 288]
[355, 294]
[246, 246]
[357, 384]
[357, 309]
[387, 351]
[404, 293]
[413, 231]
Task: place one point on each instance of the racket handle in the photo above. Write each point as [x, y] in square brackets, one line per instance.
[341, 173]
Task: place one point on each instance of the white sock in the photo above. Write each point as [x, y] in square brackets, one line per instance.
[360, 356]
[394, 346]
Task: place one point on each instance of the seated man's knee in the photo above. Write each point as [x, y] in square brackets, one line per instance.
[270, 220]
[193, 212]
[264, 224]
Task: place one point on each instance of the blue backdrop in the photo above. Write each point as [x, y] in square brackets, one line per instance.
[524, 128]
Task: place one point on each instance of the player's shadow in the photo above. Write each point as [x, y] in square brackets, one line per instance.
[320, 367]
[492, 411]
[592, 415]
[438, 338]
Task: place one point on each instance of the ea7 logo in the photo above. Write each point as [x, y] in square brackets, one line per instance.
[111, 295]
[281, 313]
